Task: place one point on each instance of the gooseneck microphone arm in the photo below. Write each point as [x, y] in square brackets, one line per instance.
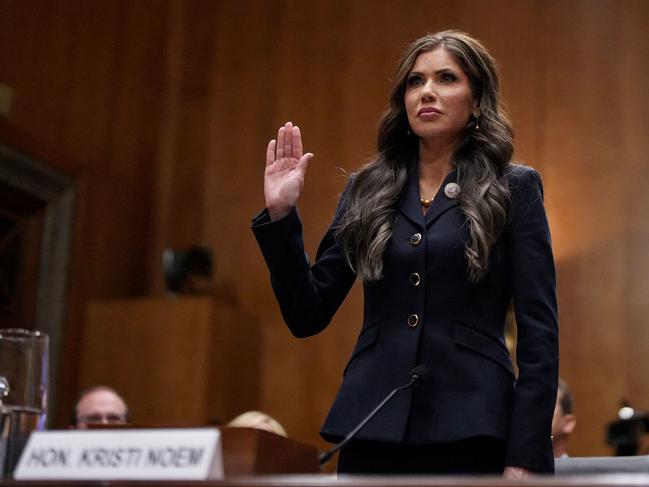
[417, 375]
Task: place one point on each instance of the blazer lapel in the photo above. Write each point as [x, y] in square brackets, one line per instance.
[410, 205]
[442, 203]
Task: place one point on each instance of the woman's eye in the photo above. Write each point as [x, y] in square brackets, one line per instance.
[447, 77]
[413, 80]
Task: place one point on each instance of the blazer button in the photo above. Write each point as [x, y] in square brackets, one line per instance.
[413, 320]
[415, 239]
[415, 279]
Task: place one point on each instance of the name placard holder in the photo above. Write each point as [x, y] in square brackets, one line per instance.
[124, 454]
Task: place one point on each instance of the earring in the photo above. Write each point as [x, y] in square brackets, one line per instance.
[408, 132]
[476, 115]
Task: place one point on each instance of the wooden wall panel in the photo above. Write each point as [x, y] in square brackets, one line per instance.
[591, 144]
[171, 358]
[166, 118]
[86, 99]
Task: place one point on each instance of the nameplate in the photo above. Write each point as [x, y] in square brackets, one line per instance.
[122, 454]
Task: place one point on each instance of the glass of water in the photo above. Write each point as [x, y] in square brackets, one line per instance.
[23, 391]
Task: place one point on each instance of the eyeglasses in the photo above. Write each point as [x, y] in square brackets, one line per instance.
[102, 419]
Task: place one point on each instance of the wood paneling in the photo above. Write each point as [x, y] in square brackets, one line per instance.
[165, 109]
[594, 150]
[173, 358]
[87, 100]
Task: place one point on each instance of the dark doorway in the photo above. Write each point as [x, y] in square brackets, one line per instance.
[36, 212]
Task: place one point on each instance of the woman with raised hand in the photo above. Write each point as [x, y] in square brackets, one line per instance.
[444, 231]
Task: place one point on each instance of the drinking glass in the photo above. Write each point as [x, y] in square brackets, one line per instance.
[23, 391]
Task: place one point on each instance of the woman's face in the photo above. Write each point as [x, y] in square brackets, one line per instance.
[438, 96]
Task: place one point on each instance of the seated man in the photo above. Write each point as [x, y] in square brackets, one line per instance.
[99, 405]
[563, 421]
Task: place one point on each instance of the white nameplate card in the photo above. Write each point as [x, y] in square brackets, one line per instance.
[122, 454]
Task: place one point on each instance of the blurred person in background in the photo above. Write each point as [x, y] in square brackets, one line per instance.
[563, 421]
[99, 406]
[258, 420]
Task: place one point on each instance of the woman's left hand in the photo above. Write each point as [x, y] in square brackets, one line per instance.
[516, 473]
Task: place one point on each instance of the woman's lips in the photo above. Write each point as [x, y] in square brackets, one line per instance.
[428, 112]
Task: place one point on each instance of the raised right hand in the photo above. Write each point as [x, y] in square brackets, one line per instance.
[285, 169]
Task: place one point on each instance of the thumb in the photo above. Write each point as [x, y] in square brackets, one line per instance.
[304, 161]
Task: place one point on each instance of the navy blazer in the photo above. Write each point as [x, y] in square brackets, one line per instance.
[424, 310]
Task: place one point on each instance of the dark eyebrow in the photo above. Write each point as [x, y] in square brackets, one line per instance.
[438, 72]
[445, 70]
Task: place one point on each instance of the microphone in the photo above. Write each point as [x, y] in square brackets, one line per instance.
[418, 374]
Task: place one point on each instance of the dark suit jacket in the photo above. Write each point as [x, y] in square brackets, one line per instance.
[437, 318]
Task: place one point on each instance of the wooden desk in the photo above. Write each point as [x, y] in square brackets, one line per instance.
[639, 480]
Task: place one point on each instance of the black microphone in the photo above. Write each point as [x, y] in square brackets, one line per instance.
[418, 374]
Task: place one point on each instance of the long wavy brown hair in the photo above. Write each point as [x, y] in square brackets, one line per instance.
[481, 158]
